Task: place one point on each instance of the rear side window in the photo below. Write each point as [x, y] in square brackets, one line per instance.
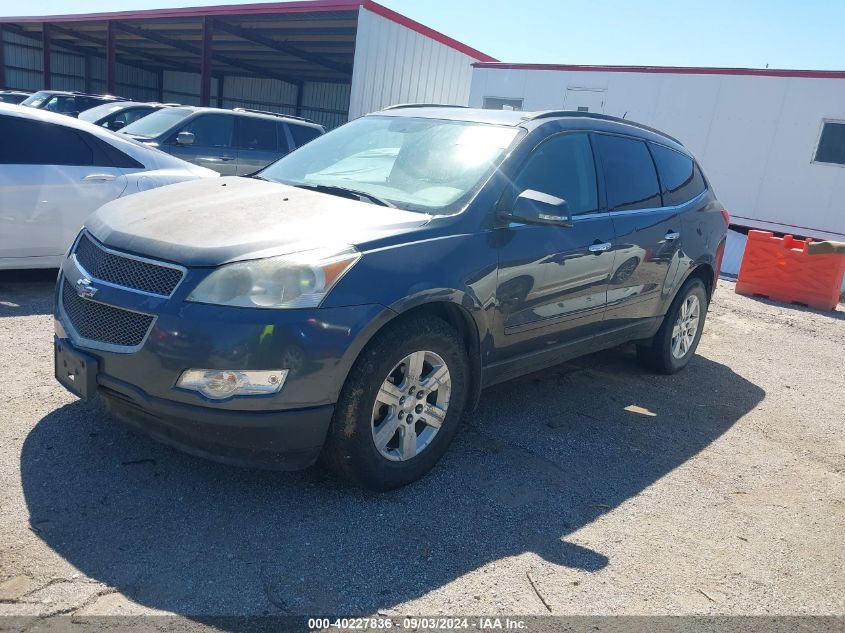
[562, 167]
[679, 176]
[831, 147]
[212, 130]
[27, 142]
[629, 173]
[257, 134]
[302, 134]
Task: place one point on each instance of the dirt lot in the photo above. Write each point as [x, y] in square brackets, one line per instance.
[594, 488]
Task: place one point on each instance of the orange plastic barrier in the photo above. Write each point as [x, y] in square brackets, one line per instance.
[783, 270]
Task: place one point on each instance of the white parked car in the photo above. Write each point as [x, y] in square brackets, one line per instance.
[56, 170]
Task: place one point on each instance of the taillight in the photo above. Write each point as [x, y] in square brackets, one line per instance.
[727, 216]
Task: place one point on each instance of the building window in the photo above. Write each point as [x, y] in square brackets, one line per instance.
[499, 103]
[831, 147]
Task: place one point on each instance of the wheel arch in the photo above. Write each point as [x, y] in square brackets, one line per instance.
[453, 313]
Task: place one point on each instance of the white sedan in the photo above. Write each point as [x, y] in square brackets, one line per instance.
[55, 170]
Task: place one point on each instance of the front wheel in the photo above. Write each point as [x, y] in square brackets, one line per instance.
[672, 348]
[400, 405]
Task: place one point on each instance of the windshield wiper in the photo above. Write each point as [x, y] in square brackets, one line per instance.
[345, 192]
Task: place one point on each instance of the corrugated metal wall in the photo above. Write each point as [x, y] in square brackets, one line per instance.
[71, 71]
[394, 64]
[325, 103]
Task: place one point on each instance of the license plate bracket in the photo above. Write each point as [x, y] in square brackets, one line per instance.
[75, 370]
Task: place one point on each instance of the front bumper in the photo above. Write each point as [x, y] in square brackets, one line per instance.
[285, 430]
[277, 440]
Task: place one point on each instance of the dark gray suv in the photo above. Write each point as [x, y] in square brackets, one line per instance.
[232, 142]
[355, 297]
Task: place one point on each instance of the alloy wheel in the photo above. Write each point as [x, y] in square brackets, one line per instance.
[686, 326]
[411, 406]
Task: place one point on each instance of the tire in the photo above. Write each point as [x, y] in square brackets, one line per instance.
[366, 404]
[657, 354]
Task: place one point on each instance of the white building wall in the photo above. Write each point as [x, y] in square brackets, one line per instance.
[395, 64]
[754, 136]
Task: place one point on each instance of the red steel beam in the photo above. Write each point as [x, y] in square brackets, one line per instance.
[205, 61]
[111, 59]
[45, 55]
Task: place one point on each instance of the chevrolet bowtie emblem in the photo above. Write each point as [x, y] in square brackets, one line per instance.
[84, 288]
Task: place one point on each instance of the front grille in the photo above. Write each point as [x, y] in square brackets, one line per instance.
[105, 324]
[126, 271]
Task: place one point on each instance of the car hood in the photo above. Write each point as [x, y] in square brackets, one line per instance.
[212, 222]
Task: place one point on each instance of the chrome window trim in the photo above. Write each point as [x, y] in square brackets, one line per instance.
[80, 341]
[146, 260]
[624, 212]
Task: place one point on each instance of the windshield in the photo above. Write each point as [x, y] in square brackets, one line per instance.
[36, 99]
[95, 114]
[157, 123]
[416, 164]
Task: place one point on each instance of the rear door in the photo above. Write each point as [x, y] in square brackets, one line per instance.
[259, 143]
[51, 178]
[213, 146]
[647, 233]
[552, 281]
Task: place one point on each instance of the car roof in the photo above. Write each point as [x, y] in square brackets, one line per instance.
[256, 113]
[72, 93]
[531, 120]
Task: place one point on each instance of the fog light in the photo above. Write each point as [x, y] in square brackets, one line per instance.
[221, 383]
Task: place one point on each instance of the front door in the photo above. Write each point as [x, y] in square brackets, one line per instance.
[552, 280]
[213, 146]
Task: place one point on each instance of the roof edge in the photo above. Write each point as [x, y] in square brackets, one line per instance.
[259, 8]
[264, 8]
[422, 29]
[678, 70]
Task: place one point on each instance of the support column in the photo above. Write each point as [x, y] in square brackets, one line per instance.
[161, 85]
[220, 91]
[205, 61]
[2, 59]
[298, 110]
[45, 55]
[111, 60]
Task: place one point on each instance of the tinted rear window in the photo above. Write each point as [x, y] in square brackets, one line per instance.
[629, 174]
[27, 142]
[302, 134]
[679, 175]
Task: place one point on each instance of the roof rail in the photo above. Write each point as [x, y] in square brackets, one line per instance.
[278, 114]
[399, 106]
[548, 114]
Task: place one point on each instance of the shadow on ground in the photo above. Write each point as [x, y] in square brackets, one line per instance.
[26, 292]
[543, 456]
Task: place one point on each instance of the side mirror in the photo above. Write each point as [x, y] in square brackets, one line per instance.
[185, 138]
[116, 125]
[535, 207]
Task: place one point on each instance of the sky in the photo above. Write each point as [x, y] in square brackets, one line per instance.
[804, 34]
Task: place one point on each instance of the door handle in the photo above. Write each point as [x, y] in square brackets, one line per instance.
[227, 158]
[99, 178]
[671, 235]
[599, 247]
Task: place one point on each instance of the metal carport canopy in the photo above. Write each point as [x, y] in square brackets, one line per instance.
[294, 42]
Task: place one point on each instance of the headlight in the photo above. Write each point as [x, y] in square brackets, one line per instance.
[299, 280]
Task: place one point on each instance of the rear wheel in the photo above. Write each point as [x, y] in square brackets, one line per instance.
[674, 345]
[400, 406]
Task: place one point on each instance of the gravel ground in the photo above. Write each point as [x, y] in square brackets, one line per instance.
[591, 488]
